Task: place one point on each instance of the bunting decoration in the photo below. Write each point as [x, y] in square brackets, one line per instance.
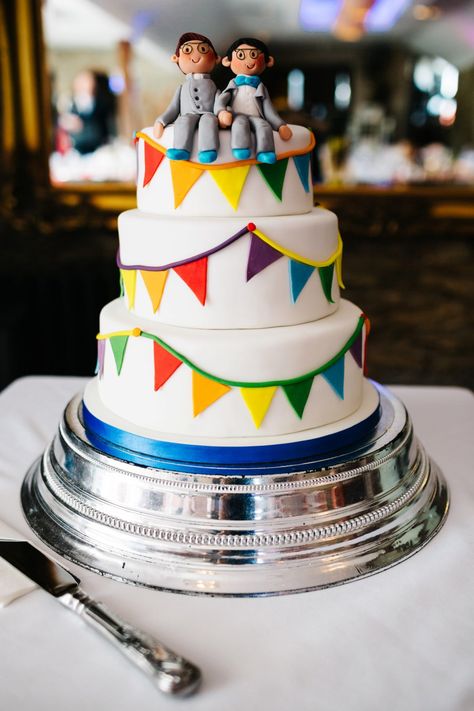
[206, 392]
[274, 176]
[298, 394]
[334, 375]
[263, 252]
[302, 168]
[153, 159]
[100, 358]
[257, 396]
[165, 364]
[299, 274]
[261, 255]
[356, 350]
[129, 281]
[194, 274]
[258, 400]
[231, 183]
[325, 274]
[119, 344]
[229, 177]
[183, 176]
[155, 285]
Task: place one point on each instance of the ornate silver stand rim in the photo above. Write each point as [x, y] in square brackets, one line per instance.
[346, 516]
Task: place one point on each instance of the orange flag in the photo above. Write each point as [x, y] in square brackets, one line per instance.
[206, 392]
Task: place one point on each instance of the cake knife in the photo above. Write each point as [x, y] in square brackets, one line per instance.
[172, 674]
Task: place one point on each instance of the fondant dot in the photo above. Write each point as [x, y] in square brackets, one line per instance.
[251, 227]
[136, 332]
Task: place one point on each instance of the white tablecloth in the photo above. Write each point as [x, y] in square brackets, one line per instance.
[403, 639]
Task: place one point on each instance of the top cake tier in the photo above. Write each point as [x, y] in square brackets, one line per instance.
[226, 187]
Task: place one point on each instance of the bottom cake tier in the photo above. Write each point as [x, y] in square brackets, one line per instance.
[228, 383]
[305, 524]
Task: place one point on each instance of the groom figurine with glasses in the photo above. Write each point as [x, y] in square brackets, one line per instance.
[245, 103]
[192, 106]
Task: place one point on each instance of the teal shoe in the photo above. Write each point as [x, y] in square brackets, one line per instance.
[207, 156]
[177, 154]
[266, 157]
[241, 153]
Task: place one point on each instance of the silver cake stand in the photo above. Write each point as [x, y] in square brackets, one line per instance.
[350, 514]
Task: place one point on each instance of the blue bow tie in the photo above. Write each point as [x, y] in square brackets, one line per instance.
[241, 79]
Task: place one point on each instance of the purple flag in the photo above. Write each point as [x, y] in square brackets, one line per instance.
[261, 255]
[100, 356]
[356, 350]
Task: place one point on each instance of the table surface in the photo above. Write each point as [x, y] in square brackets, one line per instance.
[402, 639]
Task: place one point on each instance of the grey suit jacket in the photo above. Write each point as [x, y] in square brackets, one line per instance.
[262, 97]
[195, 96]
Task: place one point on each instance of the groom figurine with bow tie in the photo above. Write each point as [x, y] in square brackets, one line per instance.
[245, 103]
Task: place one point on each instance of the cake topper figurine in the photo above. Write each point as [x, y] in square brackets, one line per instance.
[245, 103]
[192, 106]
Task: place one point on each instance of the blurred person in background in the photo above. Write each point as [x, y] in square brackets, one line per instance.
[90, 121]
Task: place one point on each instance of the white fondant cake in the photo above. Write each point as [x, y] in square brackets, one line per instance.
[149, 241]
[230, 327]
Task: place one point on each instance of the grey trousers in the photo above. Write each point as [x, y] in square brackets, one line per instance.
[208, 132]
[242, 125]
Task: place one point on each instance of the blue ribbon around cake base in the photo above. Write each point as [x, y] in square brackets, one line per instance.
[222, 460]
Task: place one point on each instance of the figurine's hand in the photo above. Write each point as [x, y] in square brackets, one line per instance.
[225, 119]
[158, 129]
[285, 132]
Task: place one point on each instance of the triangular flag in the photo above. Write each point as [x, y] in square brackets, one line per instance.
[335, 377]
[119, 344]
[155, 284]
[356, 350]
[194, 274]
[100, 356]
[302, 166]
[325, 274]
[129, 278]
[297, 394]
[153, 158]
[183, 175]
[165, 364]
[274, 175]
[205, 392]
[258, 401]
[231, 182]
[261, 255]
[299, 275]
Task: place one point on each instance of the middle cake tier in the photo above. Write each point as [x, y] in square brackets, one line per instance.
[230, 272]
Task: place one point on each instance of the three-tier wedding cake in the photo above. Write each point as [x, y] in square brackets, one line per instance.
[230, 331]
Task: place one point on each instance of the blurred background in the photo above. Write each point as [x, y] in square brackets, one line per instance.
[386, 85]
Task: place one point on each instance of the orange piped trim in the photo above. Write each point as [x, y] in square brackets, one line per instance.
[233, 164]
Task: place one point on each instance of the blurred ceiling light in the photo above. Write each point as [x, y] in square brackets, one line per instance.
[296, 89]
[447, 112]
[434, 105]
[318, 15]
[426, 12]
[342, 91]
[424, 76]
[350, 23]
[385, 14]
[449, 81]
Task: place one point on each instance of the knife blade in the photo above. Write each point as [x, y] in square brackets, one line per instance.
[171, 673]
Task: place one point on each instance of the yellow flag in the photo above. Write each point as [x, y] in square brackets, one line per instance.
[155, 284]
[205, 392]
[231, 182]
[183, 175]
[258, 401]
[129, 278]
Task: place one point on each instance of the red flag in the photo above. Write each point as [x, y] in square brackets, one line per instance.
[165, 364]
[153, 158]
[194, 274]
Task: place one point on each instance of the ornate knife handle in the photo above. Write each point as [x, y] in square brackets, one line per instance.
[171, 673]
